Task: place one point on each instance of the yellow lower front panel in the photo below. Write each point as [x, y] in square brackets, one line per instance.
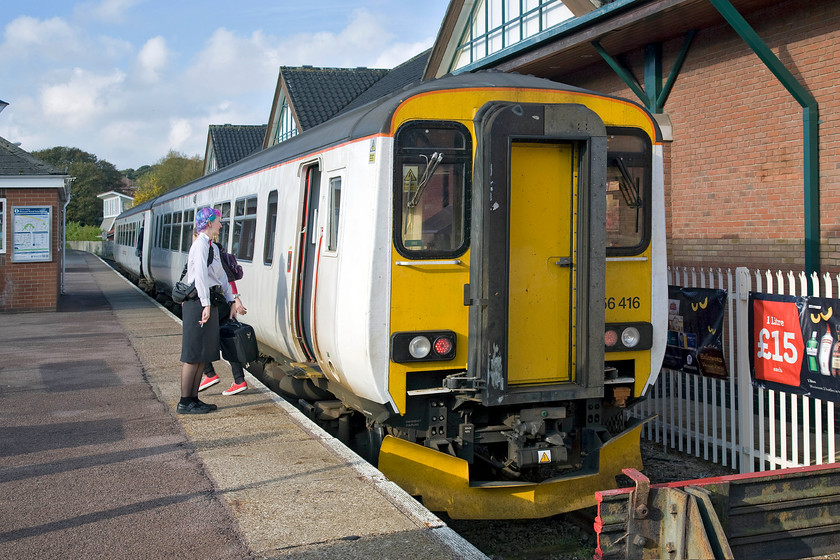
[443, 481]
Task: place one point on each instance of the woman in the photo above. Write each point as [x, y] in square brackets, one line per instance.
[200, 341]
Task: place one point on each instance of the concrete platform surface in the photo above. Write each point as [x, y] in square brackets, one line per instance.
[94, 462]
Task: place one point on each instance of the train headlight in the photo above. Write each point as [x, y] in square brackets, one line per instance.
[419, 347]
[630, 337]
[423, 346]
[622, 337]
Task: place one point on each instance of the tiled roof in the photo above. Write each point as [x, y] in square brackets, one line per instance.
[234, 142]
[406, 73]
[318, 94]
[14, 161]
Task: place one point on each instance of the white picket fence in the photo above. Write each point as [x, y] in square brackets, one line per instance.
[728, 421]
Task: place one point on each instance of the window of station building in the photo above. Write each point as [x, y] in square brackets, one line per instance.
[187, 230]
[335, 212]
[496, 25]
[224, 233]
[286, 126]
[244, 228]
[628, 191]
[270, 228]
[431, 200]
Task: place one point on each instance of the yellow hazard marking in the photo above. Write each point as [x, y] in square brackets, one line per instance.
[372, 157]
[544, 455]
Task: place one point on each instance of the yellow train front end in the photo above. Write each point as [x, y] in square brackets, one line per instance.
[521, 296]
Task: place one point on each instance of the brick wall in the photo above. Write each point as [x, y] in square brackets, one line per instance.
[31, 286]
[734, 176]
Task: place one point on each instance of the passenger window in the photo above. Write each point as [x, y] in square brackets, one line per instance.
[187, 230]
[270, 228]
[335, 212]
[628, 191]
[175, 240]
[224, 233]
[432, 171]
[167, 231]
[244, 228]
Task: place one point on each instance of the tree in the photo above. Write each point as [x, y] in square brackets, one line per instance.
[172, 170]
[91, 176]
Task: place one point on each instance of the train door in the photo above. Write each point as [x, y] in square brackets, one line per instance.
[537, 275]
[307, 260]
[541, 260]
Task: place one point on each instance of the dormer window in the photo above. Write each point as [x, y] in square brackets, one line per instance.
[286, 127]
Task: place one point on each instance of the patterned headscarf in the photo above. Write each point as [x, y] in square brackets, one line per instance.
[204, 216]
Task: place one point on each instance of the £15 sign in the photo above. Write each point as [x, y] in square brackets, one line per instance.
[777, 342]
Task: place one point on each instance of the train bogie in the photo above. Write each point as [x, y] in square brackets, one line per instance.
[475, 266]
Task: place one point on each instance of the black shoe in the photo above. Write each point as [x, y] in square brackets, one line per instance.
[208, 405]
[195, 408]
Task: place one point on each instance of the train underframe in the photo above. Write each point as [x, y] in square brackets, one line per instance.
[474, 461]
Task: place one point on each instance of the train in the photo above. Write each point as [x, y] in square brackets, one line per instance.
[467, 275]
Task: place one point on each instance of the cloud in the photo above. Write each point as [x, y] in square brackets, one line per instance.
[180, 131]
[152, 59]
[130, 98]
[84, 97]
[108, 11]
[230, 64]
[52, 39]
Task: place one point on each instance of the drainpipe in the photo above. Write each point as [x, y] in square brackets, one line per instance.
[67, 188]
[810, 129]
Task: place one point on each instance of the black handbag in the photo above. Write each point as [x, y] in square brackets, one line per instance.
[238, 342]
[182, 291]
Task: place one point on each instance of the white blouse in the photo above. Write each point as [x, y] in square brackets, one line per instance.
[206, 277]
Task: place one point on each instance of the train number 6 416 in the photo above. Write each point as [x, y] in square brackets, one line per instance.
[629, 302]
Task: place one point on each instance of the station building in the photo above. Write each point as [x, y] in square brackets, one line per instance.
[746, 92]
[33, 197]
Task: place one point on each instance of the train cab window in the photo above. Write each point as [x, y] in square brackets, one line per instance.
[186, 231]
[335, 211]
[175, 239]
[244, 228]
[224, 233]
[628, 191]
[431, 198]
[270, 228]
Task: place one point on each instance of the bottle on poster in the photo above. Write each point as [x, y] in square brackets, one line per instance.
[826, 343]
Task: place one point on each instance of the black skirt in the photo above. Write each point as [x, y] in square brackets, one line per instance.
[199, 344]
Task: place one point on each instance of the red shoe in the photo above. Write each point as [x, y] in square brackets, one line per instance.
[208, 382]
[236, 388]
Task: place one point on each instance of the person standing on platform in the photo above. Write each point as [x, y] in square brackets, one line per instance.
[210, 376]
[200, 318]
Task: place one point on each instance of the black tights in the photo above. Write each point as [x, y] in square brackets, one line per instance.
[235, 367]
[190, 379]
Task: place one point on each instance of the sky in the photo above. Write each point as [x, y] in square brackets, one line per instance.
[130, 80]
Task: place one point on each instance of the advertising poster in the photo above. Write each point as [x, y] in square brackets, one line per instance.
[795, 344]
[695, 322]
[31, 229]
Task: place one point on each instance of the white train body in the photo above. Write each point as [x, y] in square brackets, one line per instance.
[444, 262]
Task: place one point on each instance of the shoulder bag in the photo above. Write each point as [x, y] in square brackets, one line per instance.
[182, 291]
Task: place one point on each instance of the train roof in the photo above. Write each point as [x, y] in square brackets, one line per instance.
[372, 118]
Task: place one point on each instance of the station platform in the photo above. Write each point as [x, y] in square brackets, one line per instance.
[95, 463]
